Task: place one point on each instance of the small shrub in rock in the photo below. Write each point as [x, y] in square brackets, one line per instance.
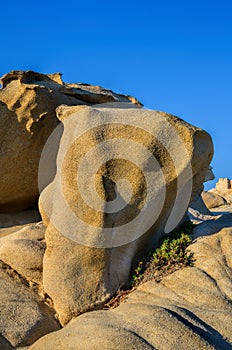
[170, 256]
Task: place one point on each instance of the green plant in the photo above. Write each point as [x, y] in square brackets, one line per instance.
[138, 273]
[171, 255]
[172, 251]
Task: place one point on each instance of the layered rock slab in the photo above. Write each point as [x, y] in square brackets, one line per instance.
[190, 309]
[91, 245]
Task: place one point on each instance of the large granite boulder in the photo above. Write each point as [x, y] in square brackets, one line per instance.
[189, 309]
[27, 117]
[124, 177]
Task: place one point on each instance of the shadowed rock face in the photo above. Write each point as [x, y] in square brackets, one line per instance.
[88, 259]
[27, 117]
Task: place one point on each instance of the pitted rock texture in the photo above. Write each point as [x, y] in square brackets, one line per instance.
[79, 272]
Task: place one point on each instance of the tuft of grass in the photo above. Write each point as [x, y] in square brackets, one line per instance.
[170, 256]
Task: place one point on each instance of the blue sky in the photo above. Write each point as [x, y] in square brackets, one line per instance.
[174, 56]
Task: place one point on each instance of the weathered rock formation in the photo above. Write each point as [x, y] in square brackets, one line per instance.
[27, 117]
[224, 186]
[115, 179]
[220, 195]
[91, 245]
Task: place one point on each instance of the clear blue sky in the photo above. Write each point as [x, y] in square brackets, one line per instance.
[175, 56]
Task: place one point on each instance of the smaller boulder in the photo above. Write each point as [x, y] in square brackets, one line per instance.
[212, 199]
[23, 251]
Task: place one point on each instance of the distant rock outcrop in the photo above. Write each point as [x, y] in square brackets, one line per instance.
[220, 195]
[212, 199]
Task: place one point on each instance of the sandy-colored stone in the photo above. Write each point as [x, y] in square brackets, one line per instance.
[225, 209]
[189, 309]
[223, 186]
[23, 317]
[23, 251]
[196, 217]
[228, 197]
[224, 189]
[212, 199]
[79, 278]
[213, 255]
[27, 117]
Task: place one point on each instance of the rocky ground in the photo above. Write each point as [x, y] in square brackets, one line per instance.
[190, 309]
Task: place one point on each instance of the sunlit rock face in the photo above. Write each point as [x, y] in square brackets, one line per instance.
[124, 177]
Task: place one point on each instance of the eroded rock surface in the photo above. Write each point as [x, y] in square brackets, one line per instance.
[83, 266]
